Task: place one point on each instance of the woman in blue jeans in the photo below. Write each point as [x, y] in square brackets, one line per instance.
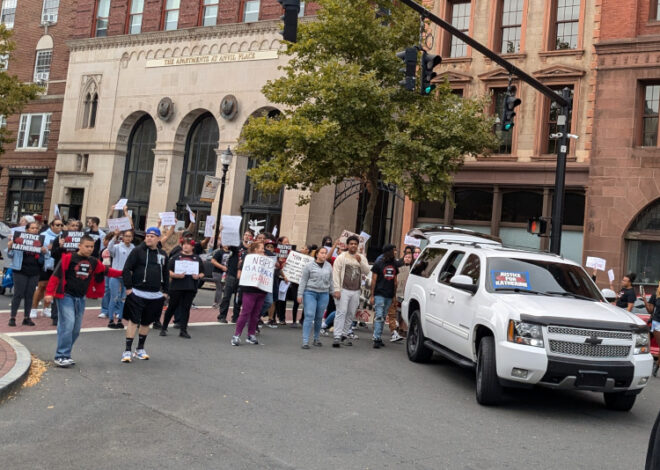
[316, 286]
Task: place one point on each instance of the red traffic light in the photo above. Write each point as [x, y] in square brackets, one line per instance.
[537, 226]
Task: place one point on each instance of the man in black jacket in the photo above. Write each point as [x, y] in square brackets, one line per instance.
[146, 278]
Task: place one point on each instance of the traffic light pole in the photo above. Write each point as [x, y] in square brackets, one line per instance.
[560, 176]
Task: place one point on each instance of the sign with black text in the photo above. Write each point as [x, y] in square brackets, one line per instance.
[70, 240]
[29, 242]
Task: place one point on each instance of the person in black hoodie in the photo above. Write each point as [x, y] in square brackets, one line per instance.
[146, 278]
[183, 288]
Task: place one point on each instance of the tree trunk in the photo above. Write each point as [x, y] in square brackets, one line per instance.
[372, 189]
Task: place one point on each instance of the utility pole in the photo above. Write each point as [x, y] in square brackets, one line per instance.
[560, 174]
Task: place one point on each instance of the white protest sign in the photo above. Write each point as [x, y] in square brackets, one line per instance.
[364, 235]
[122, 223]
[167, 219]
[412, 241]
[191, 214]
[597, 263]
[274, 232]
[295, 263]
[209, 227]
[209, 188]
[282, 289]
[610, 274]
[57, 212]
[231, 226]
[346, 233]
[186, 267]
[258, 271]
[121, 204]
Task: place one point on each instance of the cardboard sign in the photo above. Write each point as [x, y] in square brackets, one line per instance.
[283, 250]
[186, 267]
[209, 226]
[596, 263]
[258, 271]
[282, 289]
[167, 219]
[121, 223]
[70, 240]
[29, 242]
[412, 241]
[231, 230]
[510, 280]
[209, 188]
[121, 204]
[295, 263]
[346, 233]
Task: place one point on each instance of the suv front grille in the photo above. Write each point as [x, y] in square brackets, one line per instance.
[565, 330]
[588, 350]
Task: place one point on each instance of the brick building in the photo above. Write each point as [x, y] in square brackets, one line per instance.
[623, 208]
[41, 29]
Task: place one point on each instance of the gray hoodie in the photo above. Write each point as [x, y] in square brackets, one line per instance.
[316, 278]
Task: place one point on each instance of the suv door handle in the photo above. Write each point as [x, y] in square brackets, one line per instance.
[432, 293]
[451, 300]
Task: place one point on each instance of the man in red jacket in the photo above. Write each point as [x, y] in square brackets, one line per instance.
[76, 275]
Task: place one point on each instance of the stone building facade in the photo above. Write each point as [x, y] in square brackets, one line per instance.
[40, 31]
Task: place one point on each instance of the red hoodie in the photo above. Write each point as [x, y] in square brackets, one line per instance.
[57, 284]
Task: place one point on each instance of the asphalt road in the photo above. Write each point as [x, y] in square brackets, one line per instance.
[201, 403]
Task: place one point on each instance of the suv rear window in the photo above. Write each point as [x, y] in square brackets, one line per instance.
[427, 261]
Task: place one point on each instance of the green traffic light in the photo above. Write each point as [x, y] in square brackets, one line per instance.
[508, 126]
[429, 89]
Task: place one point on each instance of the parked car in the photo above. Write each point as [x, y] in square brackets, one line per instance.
[521, 319]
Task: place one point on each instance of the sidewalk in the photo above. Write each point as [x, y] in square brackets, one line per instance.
[15, 362]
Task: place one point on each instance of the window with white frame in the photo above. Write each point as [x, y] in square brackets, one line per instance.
[49, 11]
[135, 18]
[4, 62]
[210, 16]
[42, 65]
[171, 19]
[8, 13]
[33, 131]
[251, 11]
[102, 16]
[3, 121]
[301, 13]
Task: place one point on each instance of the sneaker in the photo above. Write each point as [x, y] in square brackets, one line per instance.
[141, 354]
[380, 342]
[176, 325]
[324, 332]
[12, 322]
[294, 325]
[305, 346]
[336, 343]
[193, 306]
[346, 341]
[252, 339]
[215, 306]
[317, 343]
[396, 337]
[103, 315]
[282, 323]
[157, 325]
[47, 312]
[70, 361]
[28, 322]
[112, 325]
[163, 332]
[126, 356]
[362, 324]
[184, 334]
[235, 340]
[34, 313]
[223, 321]
[62, 362]
[352, 335]
[120, 325]
[376, 344]
[271, 325]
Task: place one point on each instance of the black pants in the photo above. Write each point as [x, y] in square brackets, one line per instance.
[24, 287]
[231, 288]
[180, 300]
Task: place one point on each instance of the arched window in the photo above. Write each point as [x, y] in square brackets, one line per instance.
[643, 245]
[89, 112]
[139, 168]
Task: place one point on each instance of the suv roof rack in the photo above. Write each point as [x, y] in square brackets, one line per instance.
[423, 232]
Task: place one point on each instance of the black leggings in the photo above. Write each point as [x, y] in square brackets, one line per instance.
[179, 299]
[24, 287]
[280, 305]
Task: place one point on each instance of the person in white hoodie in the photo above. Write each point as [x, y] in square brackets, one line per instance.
[119, 247]
[347, 272]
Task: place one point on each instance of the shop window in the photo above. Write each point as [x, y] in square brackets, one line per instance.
[25, 195]
[171, 15]
[505, 137]
[643, 247]
[8, 13]
[135, 17]
[102, 16]
[574, 205]
[33, 131]
[460, 19]
[49, 11]
[431, 210]
[42, 65]
[649, 115]
[210, 12]
[509, 27]
[565, 24]
[520, 206]
[550, 126]
[139, 168]
[473, 204]
[251, 11]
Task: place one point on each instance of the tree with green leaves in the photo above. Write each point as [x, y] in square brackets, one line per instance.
[14, 94]
[345, 115]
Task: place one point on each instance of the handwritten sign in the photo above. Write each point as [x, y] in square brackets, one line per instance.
[120, 204]
[610, 275]
[295, 263]
[122, 223]
[209, 188]
[186, 267]
[29, 242]
[283, 250]
[167, 219]
[363, 240]
[510, 280]
[70, 240]
[596, 263]
[209, 227]
[258, 271]
[231, 226]
[412, 241]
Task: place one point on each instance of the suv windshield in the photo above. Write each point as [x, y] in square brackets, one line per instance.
[506, 275]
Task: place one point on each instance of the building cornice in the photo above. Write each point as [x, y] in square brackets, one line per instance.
[633, 45]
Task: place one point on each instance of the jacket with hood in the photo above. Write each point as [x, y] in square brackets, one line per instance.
[146, 269]
[57, 283]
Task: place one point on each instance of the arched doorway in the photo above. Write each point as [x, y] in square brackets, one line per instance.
[643, 245]
[200, 160]
[139, 168]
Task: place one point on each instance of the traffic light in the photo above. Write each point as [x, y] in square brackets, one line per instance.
[409, 57]
[290, 18]
[508, 113]
[537, 226]
[429, 62]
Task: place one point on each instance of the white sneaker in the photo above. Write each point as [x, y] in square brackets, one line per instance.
[62, 362]
[126, 356]
[324, 332]
[396, 337]
[34, 313]
[235, 340]
[47, 312]
[103, 315]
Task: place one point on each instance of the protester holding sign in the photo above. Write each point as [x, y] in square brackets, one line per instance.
[316, 286]
[50, 236]
[119, 248]
[96, 233]
[27, 257]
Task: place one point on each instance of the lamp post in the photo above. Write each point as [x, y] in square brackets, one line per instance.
[225, 159]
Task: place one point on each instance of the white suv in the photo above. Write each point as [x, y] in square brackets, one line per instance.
[521, 319]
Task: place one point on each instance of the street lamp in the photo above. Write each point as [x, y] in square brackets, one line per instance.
[225, 160]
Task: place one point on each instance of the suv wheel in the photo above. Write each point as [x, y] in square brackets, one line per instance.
[489, 390]
[417, 352]
[619, 401]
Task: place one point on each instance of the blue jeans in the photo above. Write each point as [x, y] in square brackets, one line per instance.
[105, 302]
[267, 303]
[330, 319]
[117, 297]
[381, 306]
[70, 315]
[314, 304]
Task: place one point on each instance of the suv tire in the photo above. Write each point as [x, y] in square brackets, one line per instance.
[489, 390]
[417, 352]
[619, 401]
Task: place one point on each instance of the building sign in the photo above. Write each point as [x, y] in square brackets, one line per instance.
[213, 58]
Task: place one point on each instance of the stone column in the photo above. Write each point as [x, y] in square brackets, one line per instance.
[165, 182]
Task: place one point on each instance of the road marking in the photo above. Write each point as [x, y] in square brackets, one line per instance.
[102, 328]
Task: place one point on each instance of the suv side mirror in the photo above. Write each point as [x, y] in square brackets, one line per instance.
[609, 295]
[461, 281]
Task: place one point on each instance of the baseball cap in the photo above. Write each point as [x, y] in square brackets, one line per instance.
[153, 231]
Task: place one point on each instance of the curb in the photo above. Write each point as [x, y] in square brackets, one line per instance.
[15, 377]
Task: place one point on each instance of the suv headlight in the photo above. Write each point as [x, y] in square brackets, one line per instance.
[530, 334]
[641, 343]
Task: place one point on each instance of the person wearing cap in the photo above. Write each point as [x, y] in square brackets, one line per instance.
[383, 290]
[146, 278]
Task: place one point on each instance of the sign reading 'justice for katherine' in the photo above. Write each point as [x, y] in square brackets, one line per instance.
[213, 58]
